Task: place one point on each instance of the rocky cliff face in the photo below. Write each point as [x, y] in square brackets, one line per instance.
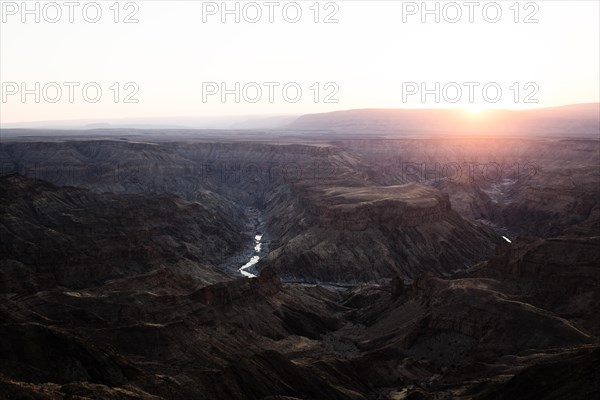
[365, 233]
[76, 238]
[526, 186]
[552, 201]
[240, 291]
[559, 274]
[360, 208]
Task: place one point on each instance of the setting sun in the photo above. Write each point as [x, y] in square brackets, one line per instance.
[475, 108]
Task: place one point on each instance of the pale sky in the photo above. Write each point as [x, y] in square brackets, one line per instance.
[369, 56]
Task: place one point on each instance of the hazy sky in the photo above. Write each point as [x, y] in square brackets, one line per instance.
[179, 53]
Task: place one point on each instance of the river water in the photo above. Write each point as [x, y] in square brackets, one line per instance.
[244, 262]
[254, 259]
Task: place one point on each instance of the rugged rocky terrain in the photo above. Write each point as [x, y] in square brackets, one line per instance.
[293, 185]
[75, 238]
[372, 233]
[386, 277]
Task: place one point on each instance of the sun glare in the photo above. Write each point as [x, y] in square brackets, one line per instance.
[475, 108]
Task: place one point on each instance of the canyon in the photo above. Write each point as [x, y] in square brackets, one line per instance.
[381, 272]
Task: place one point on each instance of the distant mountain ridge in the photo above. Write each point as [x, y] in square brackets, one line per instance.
[184, 122]
[570, 120]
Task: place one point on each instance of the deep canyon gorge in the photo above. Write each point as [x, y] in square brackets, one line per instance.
[140, 264]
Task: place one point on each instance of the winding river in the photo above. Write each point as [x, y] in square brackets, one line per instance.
[243, 263]
[254, 259]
